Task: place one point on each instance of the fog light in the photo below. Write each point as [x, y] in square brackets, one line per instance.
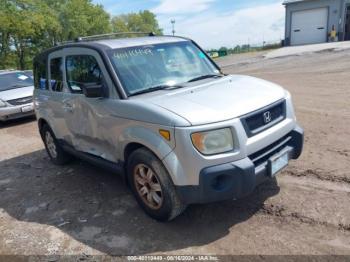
[221, 182]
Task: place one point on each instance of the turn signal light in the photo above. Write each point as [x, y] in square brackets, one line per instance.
[165, 134]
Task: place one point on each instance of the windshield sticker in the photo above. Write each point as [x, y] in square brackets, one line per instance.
[201, 55]
[133, 53]
[22, 77]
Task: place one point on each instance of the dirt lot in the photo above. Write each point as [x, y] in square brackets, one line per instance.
[81, 209]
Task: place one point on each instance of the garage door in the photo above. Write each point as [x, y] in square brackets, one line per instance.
[309, 26]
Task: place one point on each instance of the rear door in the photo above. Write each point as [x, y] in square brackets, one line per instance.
[309, 26]
[41, 90]
[58, 94]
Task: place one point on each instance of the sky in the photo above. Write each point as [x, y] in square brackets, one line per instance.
[212, 23]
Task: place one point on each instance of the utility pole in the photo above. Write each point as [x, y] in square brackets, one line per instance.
[264, 41]
[173, 25]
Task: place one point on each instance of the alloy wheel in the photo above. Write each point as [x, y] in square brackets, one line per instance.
[51, 146]
[148, 186]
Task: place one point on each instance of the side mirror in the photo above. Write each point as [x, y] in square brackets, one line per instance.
[92, 90]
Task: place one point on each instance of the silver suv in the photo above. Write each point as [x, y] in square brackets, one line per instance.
[158, 111]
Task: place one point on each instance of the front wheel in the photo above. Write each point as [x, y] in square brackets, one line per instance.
[152, 186]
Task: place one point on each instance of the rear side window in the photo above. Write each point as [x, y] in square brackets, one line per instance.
[82, 69]
[40, 74]
[56, 77]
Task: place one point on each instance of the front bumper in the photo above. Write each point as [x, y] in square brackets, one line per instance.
[14, 112]
[240, 178]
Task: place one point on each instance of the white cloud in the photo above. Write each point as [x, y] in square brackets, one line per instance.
[212, 30]
[182, 6]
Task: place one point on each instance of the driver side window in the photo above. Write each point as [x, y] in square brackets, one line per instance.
[82, 69]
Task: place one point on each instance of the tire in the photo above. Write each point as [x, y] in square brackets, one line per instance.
[163, 205]
[56, 153]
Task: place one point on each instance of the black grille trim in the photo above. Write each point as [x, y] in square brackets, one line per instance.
[253, 123]
[262, 156]
[20, 101]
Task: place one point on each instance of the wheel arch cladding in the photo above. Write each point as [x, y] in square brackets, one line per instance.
[135, 137]
[41, 123]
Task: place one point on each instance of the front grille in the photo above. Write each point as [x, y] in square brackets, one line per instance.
[266, 153]
[264, 118]
[21, 101]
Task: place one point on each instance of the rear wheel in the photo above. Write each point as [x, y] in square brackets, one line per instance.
[152, 186]
[56, 153]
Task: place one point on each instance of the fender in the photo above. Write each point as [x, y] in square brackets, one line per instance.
[148, 137]
[55, 129]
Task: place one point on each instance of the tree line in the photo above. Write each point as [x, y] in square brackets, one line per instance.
[29, 26]
[245, 48]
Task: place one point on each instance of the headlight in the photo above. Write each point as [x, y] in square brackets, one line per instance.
[213, 142]
[2, 103]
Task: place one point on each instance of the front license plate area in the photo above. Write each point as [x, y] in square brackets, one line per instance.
[278, 162]
[26, 109]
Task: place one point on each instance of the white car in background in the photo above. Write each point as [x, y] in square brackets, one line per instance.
[16, 95]
[29, 73]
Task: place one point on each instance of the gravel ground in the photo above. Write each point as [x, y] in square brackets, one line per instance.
[80, 209]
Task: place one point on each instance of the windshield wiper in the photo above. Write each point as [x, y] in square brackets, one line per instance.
[204, 77]
[155, 88]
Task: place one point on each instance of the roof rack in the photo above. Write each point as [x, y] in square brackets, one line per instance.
[106, 36]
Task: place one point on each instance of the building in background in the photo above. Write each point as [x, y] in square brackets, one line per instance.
[311, 21]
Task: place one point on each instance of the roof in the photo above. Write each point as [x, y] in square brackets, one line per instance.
[3, 72]
[286, 2]
[137, 41]
[105, 44]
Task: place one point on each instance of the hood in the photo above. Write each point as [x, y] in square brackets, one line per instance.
[17, 93]
[219, 100]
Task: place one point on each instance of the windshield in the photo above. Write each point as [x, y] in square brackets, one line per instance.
[14, 80]
[146, 67]
[29, 73]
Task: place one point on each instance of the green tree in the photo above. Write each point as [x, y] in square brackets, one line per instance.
[144, 21]
[25, 25]
[82, 18]
[237, 49]
[4, 33]
[29, 26]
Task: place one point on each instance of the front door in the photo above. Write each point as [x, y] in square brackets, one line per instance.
[88, 119]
